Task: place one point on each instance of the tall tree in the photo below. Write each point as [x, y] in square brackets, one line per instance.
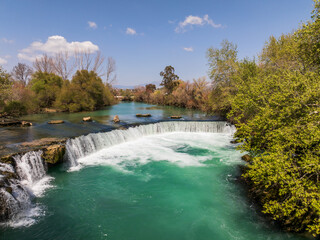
[111, 76]
[169, 78]
[222, 62]
[22, 72]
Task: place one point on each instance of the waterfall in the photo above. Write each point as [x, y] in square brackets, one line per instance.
[28, 179]
[85, 145]
[30, 167]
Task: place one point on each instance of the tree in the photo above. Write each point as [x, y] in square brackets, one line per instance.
[150, 88]
[169, 78]
[5, 87]
[222, 62]
[44, 64]
[308, 39]
[63, 64]
[223, 65]
[46, 86]
[111, 76]
[22, 72]
[86, 92]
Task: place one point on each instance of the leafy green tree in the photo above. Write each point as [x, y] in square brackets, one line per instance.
[308, 39]
[5, 87]
[223, 66]
[46, 86]
[150, 88]
[169, 78]
[222, 62]
[86, 92]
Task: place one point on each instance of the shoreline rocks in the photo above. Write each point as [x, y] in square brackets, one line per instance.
[6, 122]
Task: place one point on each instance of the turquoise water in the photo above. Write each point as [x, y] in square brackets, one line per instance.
[168, 186]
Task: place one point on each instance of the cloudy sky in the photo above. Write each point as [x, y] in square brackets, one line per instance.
[143, 36]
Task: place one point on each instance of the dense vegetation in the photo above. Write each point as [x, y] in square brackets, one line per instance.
[175, 92]
[275, 105]
[27, 91]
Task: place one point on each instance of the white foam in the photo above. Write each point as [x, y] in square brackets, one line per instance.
[163, 147]
[85, 145]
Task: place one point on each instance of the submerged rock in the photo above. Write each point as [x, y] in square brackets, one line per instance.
[56, 122]
[116, 119]
[87, 119]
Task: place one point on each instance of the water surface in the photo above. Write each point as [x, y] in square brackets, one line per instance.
[167, 186]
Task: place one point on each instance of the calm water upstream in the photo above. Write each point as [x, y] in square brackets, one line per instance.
[174, 185]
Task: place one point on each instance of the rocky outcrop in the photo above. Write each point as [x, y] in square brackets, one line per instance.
[54, 154]
[116, 119]
[87, 119]
[143, 115]
[56, 122]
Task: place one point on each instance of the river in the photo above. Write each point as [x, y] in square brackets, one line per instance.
[167, 180]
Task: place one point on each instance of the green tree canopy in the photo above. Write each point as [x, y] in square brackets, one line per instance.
[46, 86]
[169, 78]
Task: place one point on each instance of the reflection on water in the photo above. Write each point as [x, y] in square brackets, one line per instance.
[74, 126]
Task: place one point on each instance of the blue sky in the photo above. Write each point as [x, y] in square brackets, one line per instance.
[145, 36]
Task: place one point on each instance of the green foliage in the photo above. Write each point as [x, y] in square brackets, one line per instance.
[169, 80]
[86, 92]
[275, 106]
[15, 109]
[5, 87]
[223, 66]
[46, 87]
[308, 40]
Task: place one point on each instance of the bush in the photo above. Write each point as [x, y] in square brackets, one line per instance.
[15, 109]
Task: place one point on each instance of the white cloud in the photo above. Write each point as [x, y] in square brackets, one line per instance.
[195, 20]
[131, 31]
[3, 61]
[5, 40]
[188, 49]
[92, 25]
[55, 44]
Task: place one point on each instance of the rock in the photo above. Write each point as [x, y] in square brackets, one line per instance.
[8, 160]
[26, 124]
[56, 122]
[9, 175]
[116, 119]
[87, 119]
[49, 110]
[54, 153]
[175, 117]
[246, 158]
[8, 189]
[143, 115]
